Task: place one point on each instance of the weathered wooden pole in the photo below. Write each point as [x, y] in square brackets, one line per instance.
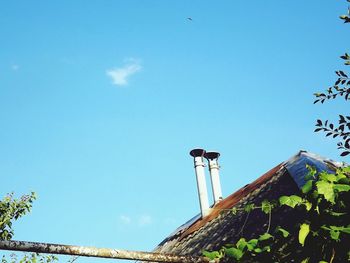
[96, 252]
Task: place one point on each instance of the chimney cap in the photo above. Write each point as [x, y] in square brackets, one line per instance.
[197, 152]
[211, 155]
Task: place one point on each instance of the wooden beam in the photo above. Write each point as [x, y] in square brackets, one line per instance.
[96, 252]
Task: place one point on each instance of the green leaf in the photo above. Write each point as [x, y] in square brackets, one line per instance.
[296, 198]
[234, 211]
[211, 255]
[338, 228]
[334, 234]
[325, 227]
[291, 201]
[260, 250]
[251, 244]
[267, 248]
[249, 207]
[340, 175]
[283, 199]
[265, 236]
[317, 209]
[266, 207]
[328, 177]
[341, 187]
[312, 170]
[345, 169]
[303, 232]
[337, 214]
[307, 186]
[308, 205]
[234, 253]
[284, 232]
[241, 244]
[346, 230]
[326, 189]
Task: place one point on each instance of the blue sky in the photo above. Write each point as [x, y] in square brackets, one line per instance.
[101, 101]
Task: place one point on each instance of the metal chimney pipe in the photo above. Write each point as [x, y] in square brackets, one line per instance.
[214, 167]
[198, 154]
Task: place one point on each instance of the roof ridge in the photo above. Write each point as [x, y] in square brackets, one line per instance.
[297, 165]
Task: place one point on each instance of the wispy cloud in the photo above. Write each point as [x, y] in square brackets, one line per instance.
[140, 221]
[144, 220]
[15, 67]
[126, 220]
[120, 76]
[170, 221]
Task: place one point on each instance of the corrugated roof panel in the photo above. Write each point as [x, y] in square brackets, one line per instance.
[296, 165]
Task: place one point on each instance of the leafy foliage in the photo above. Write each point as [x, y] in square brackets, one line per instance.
[30, 258]
[12, 209]
[322, 234]
[341, 88]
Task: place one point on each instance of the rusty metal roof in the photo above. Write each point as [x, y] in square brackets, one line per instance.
[221, 226]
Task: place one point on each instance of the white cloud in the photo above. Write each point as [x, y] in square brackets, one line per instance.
[144, 220]
[14, 67]
[120, 76]
[125, 219]
[170, 221]
[139, 221]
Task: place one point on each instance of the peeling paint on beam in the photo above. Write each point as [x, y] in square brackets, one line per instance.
[96, 252]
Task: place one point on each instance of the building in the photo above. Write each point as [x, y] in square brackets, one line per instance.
[216, 225]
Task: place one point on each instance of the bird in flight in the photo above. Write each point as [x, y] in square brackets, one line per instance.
[190, 18]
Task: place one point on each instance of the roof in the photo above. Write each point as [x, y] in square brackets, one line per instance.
[221, 226]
